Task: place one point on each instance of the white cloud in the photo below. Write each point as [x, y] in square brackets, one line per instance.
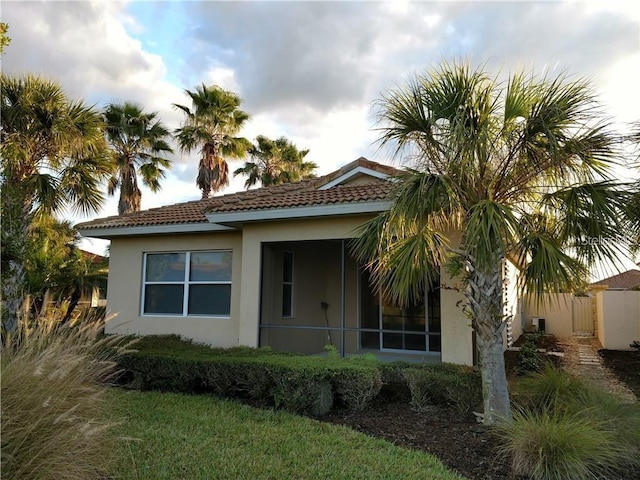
[310, 71]
[223, 77]
[620, 91]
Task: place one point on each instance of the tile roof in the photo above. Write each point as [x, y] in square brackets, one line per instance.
[623, 281]
[303, 193]
[340, 194]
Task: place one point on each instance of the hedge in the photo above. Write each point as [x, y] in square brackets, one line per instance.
[304, 384]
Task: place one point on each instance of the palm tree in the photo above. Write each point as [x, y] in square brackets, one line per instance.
[275, 162]
[138, 143]
[633, 206]
[519, 170]
[54, 157]
[211, 124]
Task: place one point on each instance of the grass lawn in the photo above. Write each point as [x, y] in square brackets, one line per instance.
[200, 437]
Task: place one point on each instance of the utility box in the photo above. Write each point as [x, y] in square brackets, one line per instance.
[538, 324]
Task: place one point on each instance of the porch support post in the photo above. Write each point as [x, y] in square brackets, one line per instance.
[250, 280]
[342, 298]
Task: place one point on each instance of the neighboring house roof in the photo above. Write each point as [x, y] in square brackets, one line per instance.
[336, 190]
[628, 280]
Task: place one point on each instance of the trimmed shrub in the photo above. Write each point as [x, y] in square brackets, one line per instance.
[302, 391]
[424, 393]
[54, 410]
[394, 386]
[529, 359]
[356, 388]
[294, 382]
[444, 384]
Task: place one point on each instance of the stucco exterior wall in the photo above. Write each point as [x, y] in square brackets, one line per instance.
[618, 318]
[125, 287]
[457, 334]
[600, 331]
[556, 309]
[512, 305]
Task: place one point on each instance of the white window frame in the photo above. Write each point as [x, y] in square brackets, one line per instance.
[185, 282]
[291, 284]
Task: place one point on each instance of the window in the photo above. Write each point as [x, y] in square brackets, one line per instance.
[187, 283]
[287, 284]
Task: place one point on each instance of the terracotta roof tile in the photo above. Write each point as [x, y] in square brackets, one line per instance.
[303, 193]
[623, 281]
[340, 194]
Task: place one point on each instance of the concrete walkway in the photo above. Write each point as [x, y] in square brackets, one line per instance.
[582, 360]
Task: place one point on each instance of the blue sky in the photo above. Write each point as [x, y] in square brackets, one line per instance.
[311, 70]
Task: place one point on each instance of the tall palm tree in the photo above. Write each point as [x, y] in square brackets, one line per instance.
[138, 143]
[274, 162]
[518, 169]
[212, 123]
[54, 157]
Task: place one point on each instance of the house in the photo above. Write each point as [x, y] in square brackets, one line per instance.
[272, 266]
[629, 280]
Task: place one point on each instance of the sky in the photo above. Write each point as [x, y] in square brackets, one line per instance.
[310, 71]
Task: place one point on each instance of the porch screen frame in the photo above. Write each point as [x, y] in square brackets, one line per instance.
[381, 331]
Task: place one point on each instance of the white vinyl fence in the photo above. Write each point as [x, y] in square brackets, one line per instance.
[618, 318]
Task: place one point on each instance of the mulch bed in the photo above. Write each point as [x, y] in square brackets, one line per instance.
[460, 443]
[626, 366]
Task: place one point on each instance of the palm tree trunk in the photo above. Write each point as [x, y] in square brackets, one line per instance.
[12, 293]
[73, 303]
[130, 194]
[206, 178]
[485, 302]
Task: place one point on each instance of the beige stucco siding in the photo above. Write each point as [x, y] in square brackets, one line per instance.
[457, 338]
[125, 287]
[512, 305]
[556, 309]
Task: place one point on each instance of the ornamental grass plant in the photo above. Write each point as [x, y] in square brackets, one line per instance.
[564, 428]
[55, 416]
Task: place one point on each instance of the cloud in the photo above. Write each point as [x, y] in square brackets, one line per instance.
[87, 48]
[298, 62]
[309, 70]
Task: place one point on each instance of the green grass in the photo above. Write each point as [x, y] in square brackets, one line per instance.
[199, 437]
